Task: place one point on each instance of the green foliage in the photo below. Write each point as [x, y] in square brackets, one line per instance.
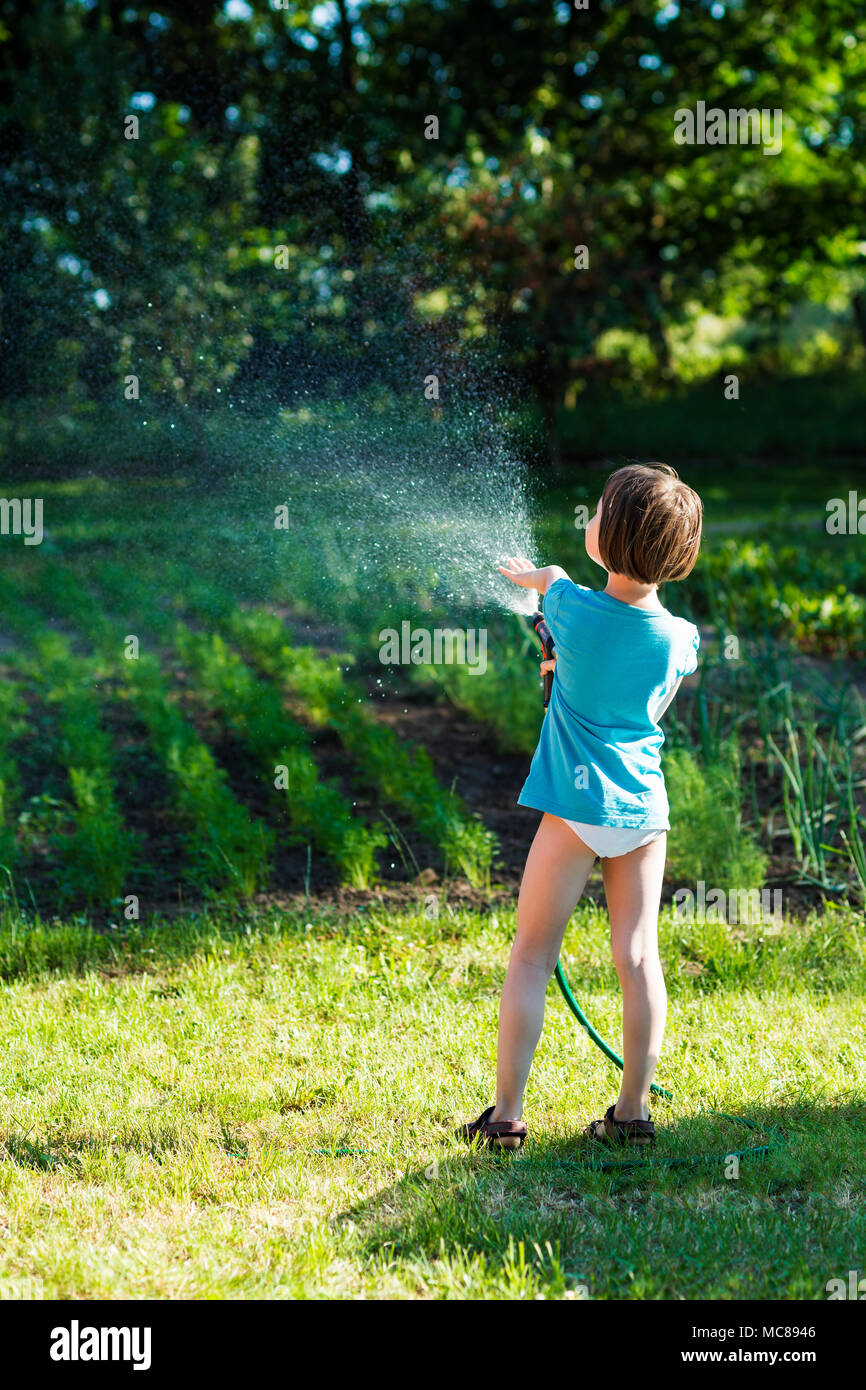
[11, 712]
[225, 848]
[508, 699]
[819, 753]
[81, 437]
[317, 810]
[99, 856]
[403, 776]
[795, 416]
[708, 840]
[78, 840]
[92, 849]
[105, 577]
[811, 798]
[807, 593]
[400, 249]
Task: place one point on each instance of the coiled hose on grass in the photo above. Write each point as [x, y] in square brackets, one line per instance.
[774, 1141]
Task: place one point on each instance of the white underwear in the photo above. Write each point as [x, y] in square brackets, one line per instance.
[610, 841]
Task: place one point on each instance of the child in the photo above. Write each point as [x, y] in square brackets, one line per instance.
[596, 775]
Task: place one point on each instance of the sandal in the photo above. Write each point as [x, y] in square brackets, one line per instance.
[494, 1134]
[612, 1131]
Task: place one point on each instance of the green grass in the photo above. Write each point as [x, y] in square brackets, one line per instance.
[802, 416]
[163, 1084]
[161, 1094]
[707, 839]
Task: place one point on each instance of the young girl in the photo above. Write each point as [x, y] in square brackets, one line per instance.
[596, 775]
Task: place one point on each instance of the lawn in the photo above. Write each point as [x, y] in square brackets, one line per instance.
[163, 1100]
[258, 898]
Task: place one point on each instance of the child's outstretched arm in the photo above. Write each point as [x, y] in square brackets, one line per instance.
[521, 572]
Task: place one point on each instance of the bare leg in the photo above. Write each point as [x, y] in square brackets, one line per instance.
[632, 885]
[557, 867]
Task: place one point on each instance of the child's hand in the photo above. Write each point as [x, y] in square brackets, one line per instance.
[522, 572]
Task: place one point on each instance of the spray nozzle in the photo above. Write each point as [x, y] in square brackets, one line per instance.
[548, 647]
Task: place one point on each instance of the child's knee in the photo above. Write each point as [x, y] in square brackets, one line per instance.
[537, 959]
[635, 955]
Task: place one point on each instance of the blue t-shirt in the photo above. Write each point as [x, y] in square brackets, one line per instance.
[598, 758]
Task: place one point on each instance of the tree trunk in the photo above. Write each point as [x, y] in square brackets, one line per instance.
[859, 303]
[661, 347]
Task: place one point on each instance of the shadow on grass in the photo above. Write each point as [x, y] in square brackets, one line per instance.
[557, 1217]
[27, 1153]
[707, 1139]
[70, 1152]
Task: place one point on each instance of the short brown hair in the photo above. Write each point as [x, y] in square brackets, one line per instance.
[650, 525]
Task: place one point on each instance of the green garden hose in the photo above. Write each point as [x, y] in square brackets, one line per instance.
[775, 1136]
[587, 1026]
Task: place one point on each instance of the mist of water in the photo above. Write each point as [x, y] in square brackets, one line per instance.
[413, 511]
[451, 524]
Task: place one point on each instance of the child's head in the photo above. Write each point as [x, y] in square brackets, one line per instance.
[647, 526]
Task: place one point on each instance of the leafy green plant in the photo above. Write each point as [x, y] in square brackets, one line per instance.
[43, 823]
[225, 849]
[97, 858]
[852, 838]
[10, 716]
[811, 799]
[811, 593]
[507, 700]
[403, 776]
[317, 810]
[224, 846]
[707, 839]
